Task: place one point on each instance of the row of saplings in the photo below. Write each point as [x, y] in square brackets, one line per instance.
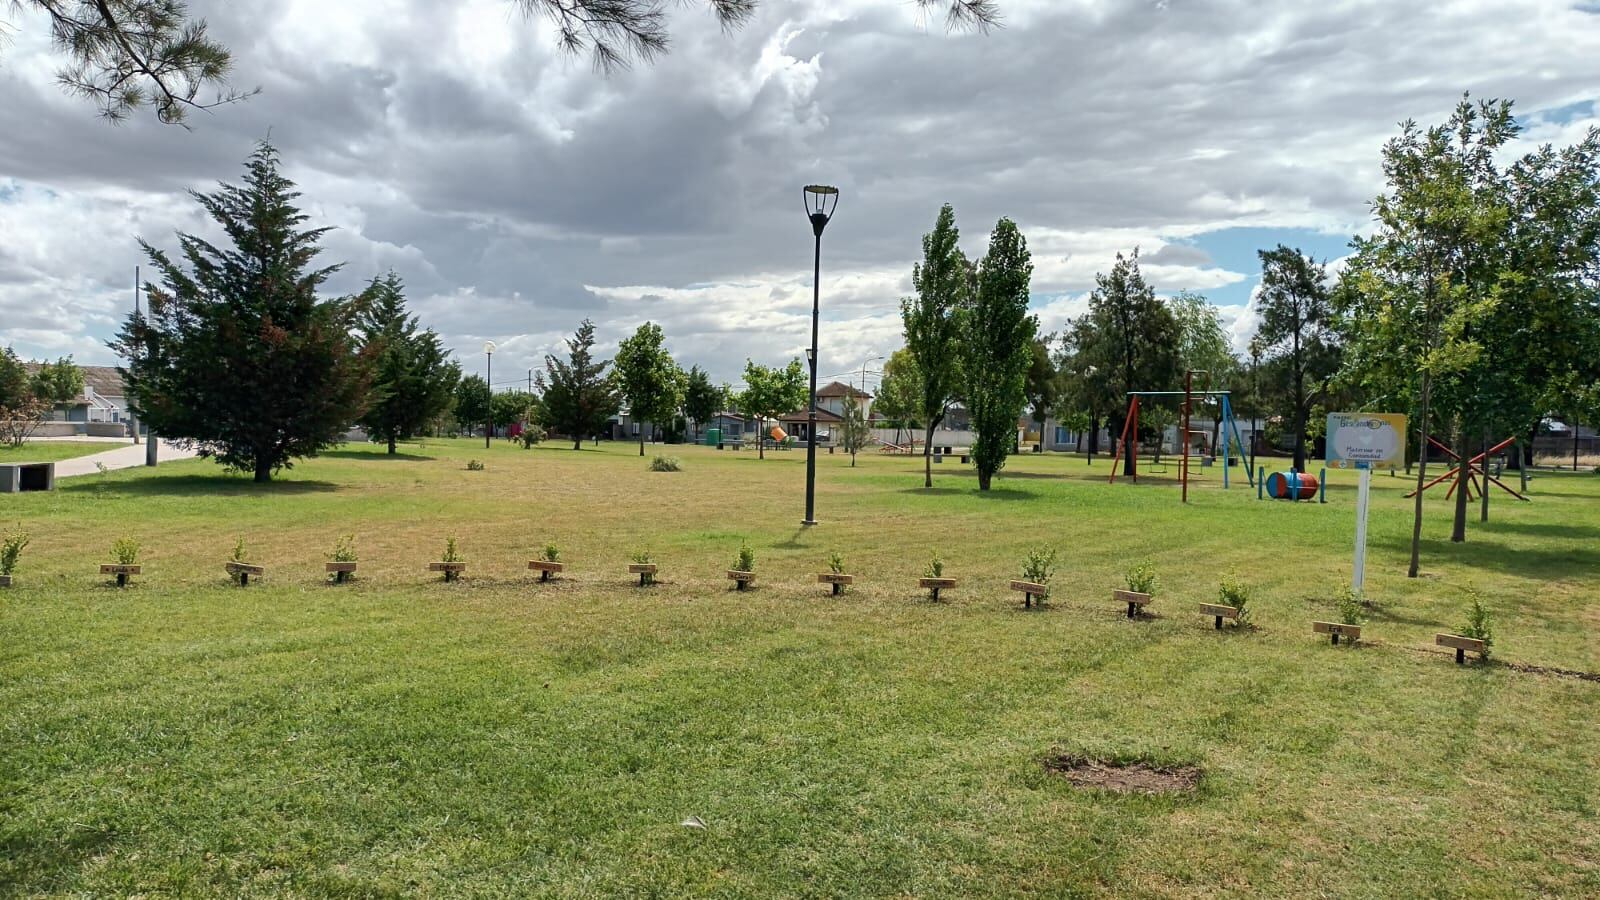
[1233, 596]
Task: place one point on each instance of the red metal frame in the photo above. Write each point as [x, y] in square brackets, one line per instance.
[1467, 477]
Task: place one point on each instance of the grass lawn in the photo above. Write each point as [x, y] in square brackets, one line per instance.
[52, 451]
[400, 736]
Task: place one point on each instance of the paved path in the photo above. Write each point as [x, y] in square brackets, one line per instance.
[124, 457]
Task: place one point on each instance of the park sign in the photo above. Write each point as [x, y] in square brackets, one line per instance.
[1366, 440]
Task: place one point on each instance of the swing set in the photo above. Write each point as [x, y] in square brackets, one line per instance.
[1230, 431]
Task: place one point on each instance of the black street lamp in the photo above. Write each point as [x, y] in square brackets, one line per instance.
[821, 201]
[488, 388]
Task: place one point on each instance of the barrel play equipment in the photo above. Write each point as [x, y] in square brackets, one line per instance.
[1292, 486]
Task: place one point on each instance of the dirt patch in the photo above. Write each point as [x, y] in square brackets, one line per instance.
[1132, 777]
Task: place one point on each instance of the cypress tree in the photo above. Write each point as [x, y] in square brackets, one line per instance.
[413, 379]
[238, 356]
[997, 348]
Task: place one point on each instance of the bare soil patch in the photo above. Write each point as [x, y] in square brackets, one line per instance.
[1130, 777]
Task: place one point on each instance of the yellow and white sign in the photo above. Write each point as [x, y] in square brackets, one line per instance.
[1366, 440]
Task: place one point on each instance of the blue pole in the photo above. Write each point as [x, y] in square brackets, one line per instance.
[1260, 483]
[1322, 487]
[1294, 485]
[1227, 419]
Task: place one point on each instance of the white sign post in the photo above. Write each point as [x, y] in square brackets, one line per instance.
[1361, 441]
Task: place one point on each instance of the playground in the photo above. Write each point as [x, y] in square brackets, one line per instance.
[500, 734]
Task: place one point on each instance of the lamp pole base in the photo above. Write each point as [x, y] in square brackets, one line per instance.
[808, 522]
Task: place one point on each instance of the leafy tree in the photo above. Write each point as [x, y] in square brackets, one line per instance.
[997, 348]
[1420, 286]
[579, 397]
[514, 406]
[1128, 341]
[413, 378]
[128, 54]
[1043, 385]
[854, 431]
[1297, 333]
[25, 400]
[898, 393]
[701, 399]
[238, 356]
[770, 392]
[1203, 347]
[648, 378]
[943, 281]
[472, 402]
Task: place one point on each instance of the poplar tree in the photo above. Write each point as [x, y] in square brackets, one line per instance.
[237, 355]
[997, 348]
[933, 334]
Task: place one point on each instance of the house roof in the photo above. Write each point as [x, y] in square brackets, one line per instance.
[803, 416]
[840, 389]
[103, 380]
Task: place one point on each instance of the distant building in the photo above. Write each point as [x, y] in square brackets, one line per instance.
[830, 412]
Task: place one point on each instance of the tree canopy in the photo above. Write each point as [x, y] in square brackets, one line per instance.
[770, 392]
[579, 395]
[413, 378]
[943, 282]
[1297, 336]
[997, 348]
[27, 398]
[648, 379]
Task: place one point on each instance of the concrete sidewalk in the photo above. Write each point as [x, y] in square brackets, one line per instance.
[126, 456]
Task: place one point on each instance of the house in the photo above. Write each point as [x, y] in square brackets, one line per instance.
[831, 399]
[100, 409]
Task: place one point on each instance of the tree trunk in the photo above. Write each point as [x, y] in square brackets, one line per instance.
[392, 450]
[984, 479]
[263, 468]
[761, 442]
[1458, 529]
[927, 458]
[577, 443]
[1422, 473]
[641, 442]
[1300, 439]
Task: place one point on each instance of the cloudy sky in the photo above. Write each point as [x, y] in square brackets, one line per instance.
[517, 191]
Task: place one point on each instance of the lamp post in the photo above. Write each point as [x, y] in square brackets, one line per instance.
[488, 387]
[821, 201]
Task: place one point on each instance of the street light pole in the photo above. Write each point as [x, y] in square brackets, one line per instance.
[821, 200]
[488, 387]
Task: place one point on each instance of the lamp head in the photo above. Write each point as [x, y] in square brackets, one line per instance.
[821, 201]
[488, 347]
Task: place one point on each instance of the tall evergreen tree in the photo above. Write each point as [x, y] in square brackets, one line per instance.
[943, 280]
[997, 348]
[579, 396]
[1297, 334]
[237, 355]
[413, 378]
[648, 379]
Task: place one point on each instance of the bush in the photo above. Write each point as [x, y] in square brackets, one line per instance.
[642, 557]
[1479, 624]
[344, 550]
[475, 465]
[531, 435]
[1235, 593]
[238, 549]
[125, 551]
[935, 567]
[664, 464]
[1351, 610]
[836, 562]
[746, 562]
[1039, 565]
[552, 553]
[10, 549]
[451, 553]
[1141, 577]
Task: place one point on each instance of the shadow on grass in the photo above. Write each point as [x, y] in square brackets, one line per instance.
[1484, 554]
[992, 494]
[374, 454]
[197, 485]
[1539, 529]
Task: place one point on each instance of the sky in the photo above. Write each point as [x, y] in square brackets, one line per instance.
[517, 191]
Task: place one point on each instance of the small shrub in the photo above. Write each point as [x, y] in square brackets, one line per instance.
[642, 557]
[1235, 593]
[665, 464]
[530, 436]
[1141, 577]
[344, 550]
[746, 562]
[11, 549]
[1479, 624]
[1039, 565]
[836, 562]
[935, 567]
[451, 553]
[1351, 610]
[125, 551]
[238, 549]
[475, 465]
[552, 553]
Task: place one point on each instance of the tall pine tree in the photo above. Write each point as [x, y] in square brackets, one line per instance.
[579, 396]
[413, 379]
[997, 348]
[238, 356]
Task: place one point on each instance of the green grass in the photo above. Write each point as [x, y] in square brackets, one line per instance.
[52, 451]
[401, 736]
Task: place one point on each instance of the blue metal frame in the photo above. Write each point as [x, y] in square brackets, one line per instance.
[1230, 436]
